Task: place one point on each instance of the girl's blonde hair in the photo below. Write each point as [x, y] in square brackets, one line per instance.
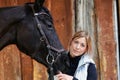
[80, 34]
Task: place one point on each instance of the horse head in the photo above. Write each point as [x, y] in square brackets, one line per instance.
[32, 30]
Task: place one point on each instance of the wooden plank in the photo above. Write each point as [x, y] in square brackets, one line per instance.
[4, 3]
[10, 63]
[86, 20]
[40, 71]
[106, 42]
[26, 67]
[1, 65]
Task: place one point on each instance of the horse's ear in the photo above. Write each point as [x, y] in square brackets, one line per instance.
[38, 4]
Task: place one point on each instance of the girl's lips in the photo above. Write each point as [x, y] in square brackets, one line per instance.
[76, 51]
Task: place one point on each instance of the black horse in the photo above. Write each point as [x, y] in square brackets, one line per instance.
[31, 28]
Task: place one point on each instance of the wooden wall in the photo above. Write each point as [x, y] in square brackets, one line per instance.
[96, 17]
[106, 41]
[15, 65]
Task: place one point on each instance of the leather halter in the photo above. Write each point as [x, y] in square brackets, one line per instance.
[44, 37]
[49, 55]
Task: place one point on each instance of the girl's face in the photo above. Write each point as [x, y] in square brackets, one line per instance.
[78, 47]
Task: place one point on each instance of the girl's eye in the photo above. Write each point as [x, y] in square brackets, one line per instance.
[82, 45]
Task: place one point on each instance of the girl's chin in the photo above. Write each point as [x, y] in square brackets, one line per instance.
[76, 54]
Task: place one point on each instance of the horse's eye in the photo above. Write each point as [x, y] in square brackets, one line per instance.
[49, 25]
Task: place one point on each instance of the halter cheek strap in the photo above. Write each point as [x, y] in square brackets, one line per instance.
[50, 57]
[45, 38]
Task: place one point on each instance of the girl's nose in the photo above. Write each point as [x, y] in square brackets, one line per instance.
[78, 46]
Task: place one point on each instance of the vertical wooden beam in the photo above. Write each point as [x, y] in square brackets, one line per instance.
[26, 67]
[40, 71]
[10, 66]
[86, 20]
[106, 41]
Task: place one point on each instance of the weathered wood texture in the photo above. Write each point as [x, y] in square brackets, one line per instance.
[86, 20]
[15, 65]
[10, 67]
[96, 17]
[106, 42]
